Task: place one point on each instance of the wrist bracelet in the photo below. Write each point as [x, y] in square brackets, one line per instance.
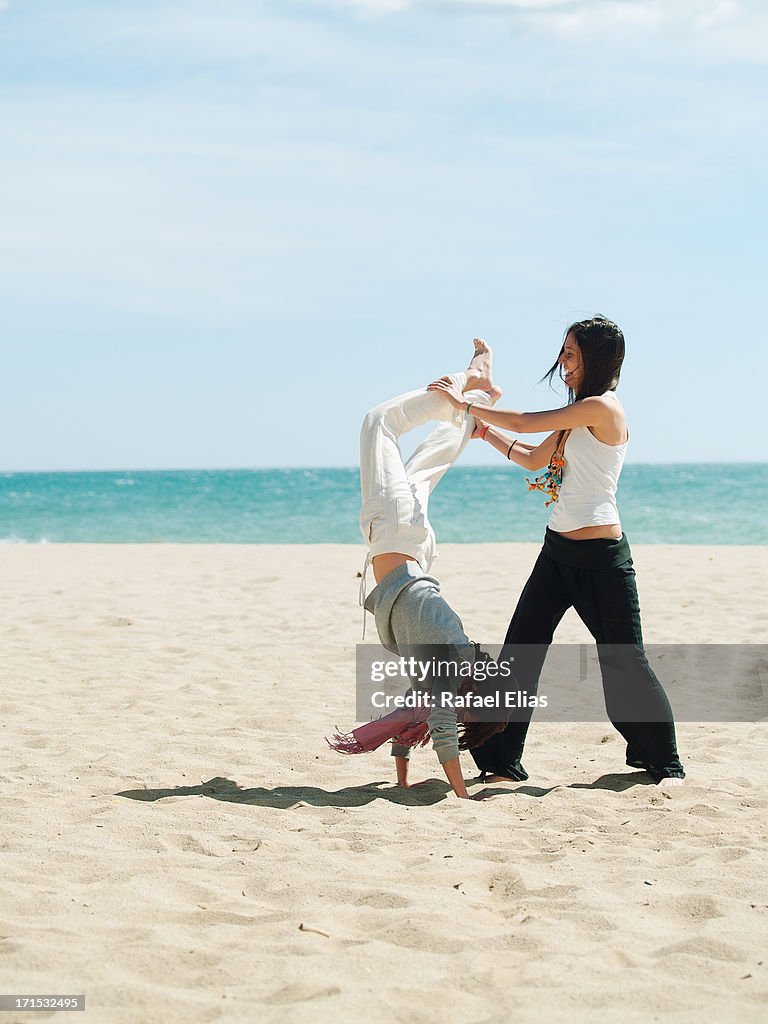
[469, 406]
[484, 431]
[509, 450]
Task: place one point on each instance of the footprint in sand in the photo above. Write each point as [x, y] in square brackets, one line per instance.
[382, 901]
[554, 892]
[191, 844]
[300, 992]
[36, 742]
[507, 884]
[241, 844]
[706, 949]
[729, 854]
[519, 938]
[692, 908]
[413, 935]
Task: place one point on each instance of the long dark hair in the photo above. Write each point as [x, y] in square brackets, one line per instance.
[601, 344]
[474, 734]
[474, 731]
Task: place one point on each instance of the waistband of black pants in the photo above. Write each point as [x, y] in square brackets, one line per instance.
[600, 553]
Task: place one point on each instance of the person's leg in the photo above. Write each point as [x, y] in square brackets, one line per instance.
[637, 705]
[435, 455]
[540, 608]
[393, 516]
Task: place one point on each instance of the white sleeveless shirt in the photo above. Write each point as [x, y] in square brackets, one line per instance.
[590, 478]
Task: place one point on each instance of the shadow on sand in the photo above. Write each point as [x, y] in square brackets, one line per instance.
[615, 782]
[430, 792]
[286, 797]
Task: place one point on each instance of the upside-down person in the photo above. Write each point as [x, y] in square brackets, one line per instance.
[409, 611]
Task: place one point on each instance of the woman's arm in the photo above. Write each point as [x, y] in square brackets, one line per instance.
[587, 412]
[453, 773]
[526, 455]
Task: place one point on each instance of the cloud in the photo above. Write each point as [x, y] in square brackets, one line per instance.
[583, 15]
[715, 29]
[652, 10]
[240, 167]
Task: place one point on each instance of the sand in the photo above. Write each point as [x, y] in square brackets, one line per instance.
[171, 814]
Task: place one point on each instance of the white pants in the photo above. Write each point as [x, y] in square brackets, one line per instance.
[395, 494]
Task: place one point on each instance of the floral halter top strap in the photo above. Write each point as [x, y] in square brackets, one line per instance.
[550, 481]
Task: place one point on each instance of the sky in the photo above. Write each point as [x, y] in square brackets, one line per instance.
[227, 229]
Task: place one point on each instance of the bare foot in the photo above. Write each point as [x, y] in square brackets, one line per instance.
[480, 369]
[498, 778]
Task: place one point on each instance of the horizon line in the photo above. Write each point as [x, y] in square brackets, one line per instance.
[265, 469]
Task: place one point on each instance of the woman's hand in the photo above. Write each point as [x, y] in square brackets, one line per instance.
[448, 388]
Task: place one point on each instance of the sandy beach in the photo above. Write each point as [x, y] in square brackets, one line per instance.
[172, 815]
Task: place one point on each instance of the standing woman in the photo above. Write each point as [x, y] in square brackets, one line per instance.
[586, 562]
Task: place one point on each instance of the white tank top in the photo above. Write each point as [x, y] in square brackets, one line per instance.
[590, 478]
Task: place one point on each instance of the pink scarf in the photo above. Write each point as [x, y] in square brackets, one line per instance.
[407, 726]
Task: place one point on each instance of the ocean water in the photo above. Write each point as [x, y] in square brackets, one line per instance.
[676, 504]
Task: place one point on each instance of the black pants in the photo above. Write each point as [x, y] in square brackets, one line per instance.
[597, 578]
